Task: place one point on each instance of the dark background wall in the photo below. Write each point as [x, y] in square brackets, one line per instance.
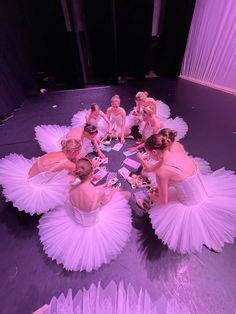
[65, 44]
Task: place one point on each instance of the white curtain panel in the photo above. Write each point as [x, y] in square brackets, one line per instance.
[210, 55]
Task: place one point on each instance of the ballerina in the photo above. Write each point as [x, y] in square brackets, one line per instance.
[160, 109]
[151, 124]
[190, 209]
[88, 133]
[94, 116]
[150, 165]
[39, 184]
[117, 116]
[49, 138]
[87, 231]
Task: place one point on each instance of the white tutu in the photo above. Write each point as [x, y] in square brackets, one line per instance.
[163, 110]
[201, 210]
[49, 138]
[113, 299]
[132, 119]
[78, 121]
[177, 124]
[84, 241]
[32, 195]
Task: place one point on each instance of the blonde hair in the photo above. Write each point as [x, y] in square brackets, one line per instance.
[150, 101]
[115, 97]
[71, 145]
[148, 110]
[141, 95]
[88, 169]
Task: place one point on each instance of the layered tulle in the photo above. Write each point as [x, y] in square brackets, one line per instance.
[49, 138]
[163, 113]
[32, 195]
[206, 217]
[177, 124]
[80, 248]
[113, 299]
[163, 110]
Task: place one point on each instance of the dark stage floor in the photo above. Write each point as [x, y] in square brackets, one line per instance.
[203, 283]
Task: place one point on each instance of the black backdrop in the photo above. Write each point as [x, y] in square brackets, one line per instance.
[108, 38]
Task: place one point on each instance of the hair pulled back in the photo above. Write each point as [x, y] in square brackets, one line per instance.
[84, 173]
[90, 129]
[94, 107]
[141, 95]
[71, 145]
[161, 141]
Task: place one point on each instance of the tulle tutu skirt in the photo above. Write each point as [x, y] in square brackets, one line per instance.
[177, 124]
[78, 121]
[113, 299]
[163, 110]
[81, 248]
[49, 138]
[32, 195]
[212, 222]
[163, 113]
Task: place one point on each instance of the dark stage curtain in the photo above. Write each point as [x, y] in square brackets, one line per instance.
[174, 24]
[16, 72]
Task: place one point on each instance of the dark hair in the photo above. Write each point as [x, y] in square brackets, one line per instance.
[94, 106]
[171, 134]
[83, 174]
[90, 129]
[161, 140]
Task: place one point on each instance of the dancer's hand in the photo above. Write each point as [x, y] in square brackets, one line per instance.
[101, 155]
[122, 139]
[132, 149]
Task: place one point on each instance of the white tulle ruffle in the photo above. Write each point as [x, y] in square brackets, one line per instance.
[113, 299]
[32, 195]
[163, 110]
[49, 138]
[80, 248]
[177, 124]
[211, 222]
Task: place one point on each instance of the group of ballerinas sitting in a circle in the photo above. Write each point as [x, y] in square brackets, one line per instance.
[189, 206]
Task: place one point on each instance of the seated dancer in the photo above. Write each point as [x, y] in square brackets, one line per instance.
[150, 165]
[49, 138]
[117, 116]
[39, 184]
[190, 209]
[87, 231]
[160, 109]
[89, 133]
[151, 124]
[94, 116]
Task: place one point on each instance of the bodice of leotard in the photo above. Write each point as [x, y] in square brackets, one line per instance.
[116, 118]
[95, 121]
[190, 191]
[86, 219]
[50, 166]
